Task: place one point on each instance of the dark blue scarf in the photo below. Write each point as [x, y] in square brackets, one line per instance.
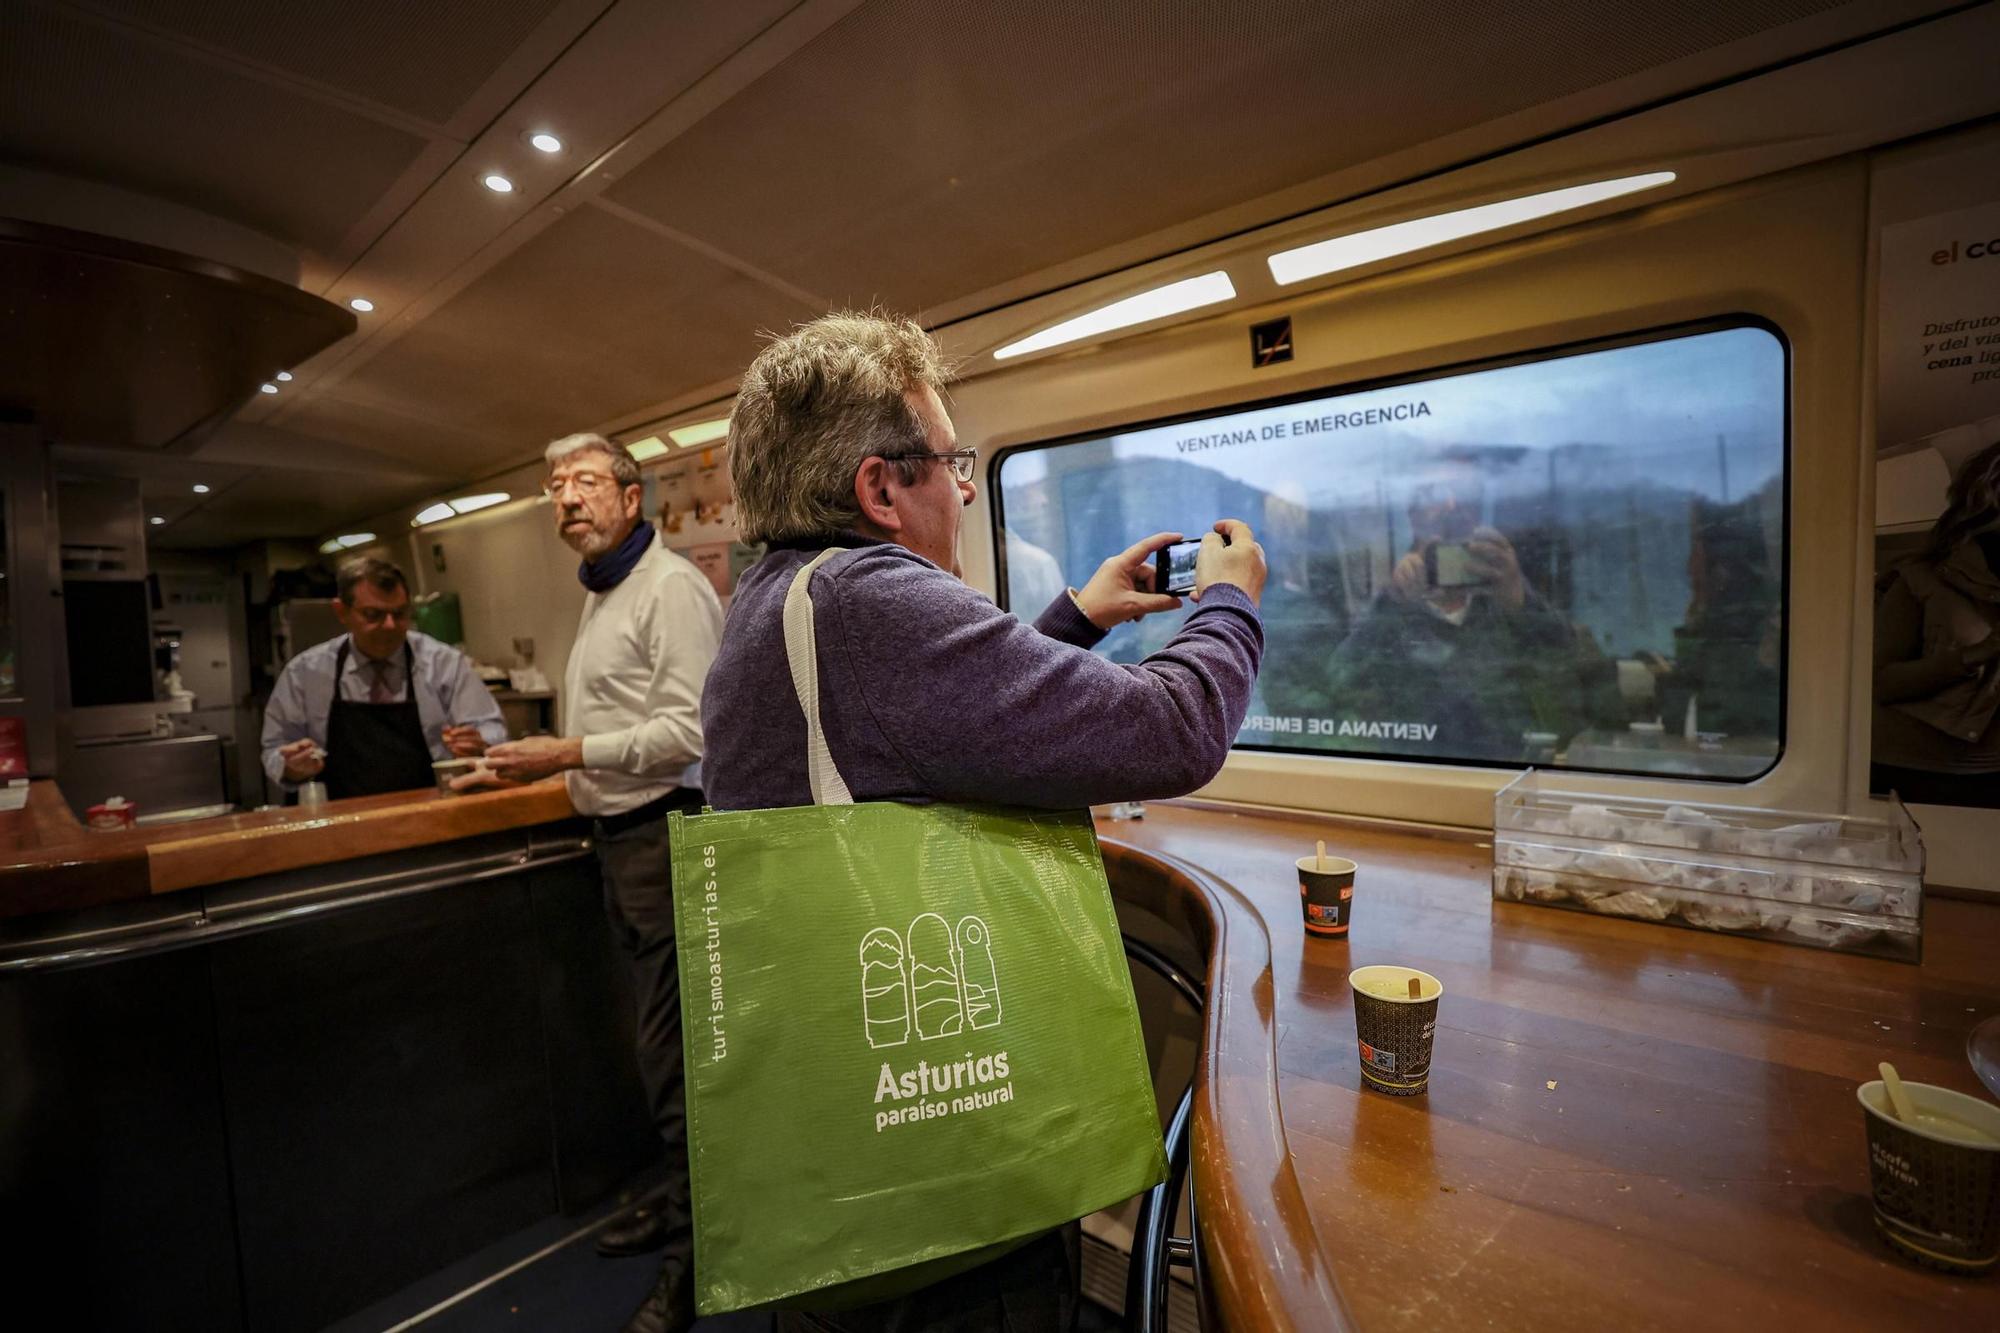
[609, 570]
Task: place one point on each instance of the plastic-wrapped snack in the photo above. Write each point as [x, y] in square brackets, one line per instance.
[1712, 915]
[1830, 934]
[1685, 826]
[1632, 903]
[1593, 821]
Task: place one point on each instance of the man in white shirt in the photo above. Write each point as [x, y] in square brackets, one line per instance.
[632, 718]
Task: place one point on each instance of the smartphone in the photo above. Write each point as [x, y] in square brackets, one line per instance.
[1173, 568]
[1449, 565]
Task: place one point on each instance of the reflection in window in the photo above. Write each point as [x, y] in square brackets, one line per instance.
[1576, 561]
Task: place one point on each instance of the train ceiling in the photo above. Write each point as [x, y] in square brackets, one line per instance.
[729, 168]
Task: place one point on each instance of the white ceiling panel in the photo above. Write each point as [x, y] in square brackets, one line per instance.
[593, 317]
[424, 57]
[85, 100]
[918, 152]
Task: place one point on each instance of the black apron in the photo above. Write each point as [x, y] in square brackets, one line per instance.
[373, 748]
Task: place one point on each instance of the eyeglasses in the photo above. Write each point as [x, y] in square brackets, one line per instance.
[961, 461]
[375, 617]
[585, 483]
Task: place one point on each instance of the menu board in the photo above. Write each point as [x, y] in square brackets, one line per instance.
[690, 496]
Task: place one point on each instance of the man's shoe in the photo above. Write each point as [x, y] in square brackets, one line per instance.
[636, 1232]
[670, 1307]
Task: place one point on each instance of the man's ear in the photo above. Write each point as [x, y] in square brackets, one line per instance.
[634, 497]
[876, 490]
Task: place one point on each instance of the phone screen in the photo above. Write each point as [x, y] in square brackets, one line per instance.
[1173, 568]
[1449, 565]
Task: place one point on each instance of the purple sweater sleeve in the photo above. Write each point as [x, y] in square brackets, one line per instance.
[981, 707]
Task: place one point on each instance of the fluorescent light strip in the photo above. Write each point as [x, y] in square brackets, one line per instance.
[1172, 299]
[650, 447]
[701, 432]
[332, 544]
[1365, 247]
[432, 514]
[471, 503]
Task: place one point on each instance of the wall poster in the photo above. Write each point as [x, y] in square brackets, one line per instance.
[690, 496]
[1936, 669]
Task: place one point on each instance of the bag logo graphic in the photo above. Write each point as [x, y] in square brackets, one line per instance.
[941, 983]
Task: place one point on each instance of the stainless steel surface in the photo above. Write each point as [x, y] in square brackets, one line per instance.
[159, 774]
[104, 935]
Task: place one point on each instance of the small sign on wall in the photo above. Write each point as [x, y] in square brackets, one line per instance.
[1270, 342]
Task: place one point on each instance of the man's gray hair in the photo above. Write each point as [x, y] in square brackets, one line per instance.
[813, 405]
[623, 466]
[377, 574]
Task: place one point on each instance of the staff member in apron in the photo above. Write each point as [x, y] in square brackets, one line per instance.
[370, 711]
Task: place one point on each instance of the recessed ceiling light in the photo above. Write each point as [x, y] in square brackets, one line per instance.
[284, 376]
[650, 447]
[200, 489]
[431, 514]
[156, 520]
[466, 504]
[267, 388]
[361, 303]
[351, 539]
[1365, 247]
[701, 432]
[544, 142]
[497, 183]
[1172, 299]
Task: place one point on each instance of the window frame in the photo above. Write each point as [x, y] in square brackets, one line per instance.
[1335, 388]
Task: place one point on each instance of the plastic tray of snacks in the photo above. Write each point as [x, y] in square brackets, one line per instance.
[1832, 881]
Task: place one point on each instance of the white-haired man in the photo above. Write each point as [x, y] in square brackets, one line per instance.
[630, 753]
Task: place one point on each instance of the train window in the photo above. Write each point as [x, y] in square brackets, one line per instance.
[1572, 559]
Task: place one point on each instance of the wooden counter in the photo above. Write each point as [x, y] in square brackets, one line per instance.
[50, 862]
[1629, 1126]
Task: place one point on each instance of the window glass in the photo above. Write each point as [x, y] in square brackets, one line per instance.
[1570, 560]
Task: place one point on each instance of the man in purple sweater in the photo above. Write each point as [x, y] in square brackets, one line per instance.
[929, 692]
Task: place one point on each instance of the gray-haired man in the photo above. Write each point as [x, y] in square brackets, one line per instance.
[632, 718]
[929, 692]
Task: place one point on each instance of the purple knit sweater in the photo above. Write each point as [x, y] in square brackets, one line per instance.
[930, 692]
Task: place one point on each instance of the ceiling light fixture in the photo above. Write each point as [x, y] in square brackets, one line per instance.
[497, 183]
[284, 376]
[199, 489]
[352, 539]
[1365, 247]
[156, 520]
[361, 303]
[650, 447]
[1172, 299]
[701, 432]
[544, 142]
[464, 504]
[267, 388]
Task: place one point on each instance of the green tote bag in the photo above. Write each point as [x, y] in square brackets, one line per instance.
[910, 1033]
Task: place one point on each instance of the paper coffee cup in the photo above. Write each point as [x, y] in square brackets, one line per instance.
[1936, 1183]
[1395, 1032]
[1326, 896]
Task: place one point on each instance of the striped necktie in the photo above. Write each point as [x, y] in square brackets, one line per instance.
[378, 688]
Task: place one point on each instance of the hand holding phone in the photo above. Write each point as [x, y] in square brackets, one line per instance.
[1126, 587]
[1173, 568]
[1231, 554]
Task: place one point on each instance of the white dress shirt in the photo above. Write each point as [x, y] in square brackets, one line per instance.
[632, 689]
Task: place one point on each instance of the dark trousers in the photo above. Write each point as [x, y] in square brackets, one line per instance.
[1035, 1289]
[633, 854]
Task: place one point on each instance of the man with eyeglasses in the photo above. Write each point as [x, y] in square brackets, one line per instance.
[370, 711]
[927, 690]
[631, 755]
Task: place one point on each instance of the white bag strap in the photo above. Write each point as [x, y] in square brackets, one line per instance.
[802, 649]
